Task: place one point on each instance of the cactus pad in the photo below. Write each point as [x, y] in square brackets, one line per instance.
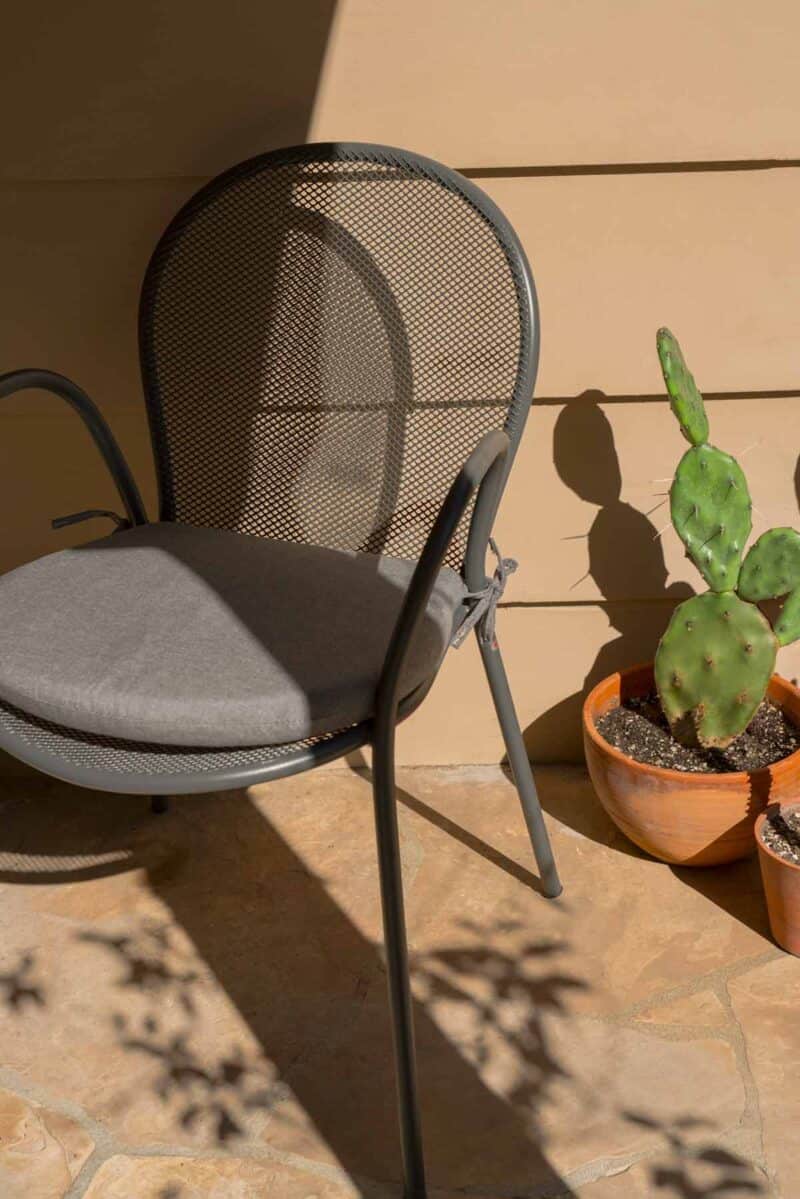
[712, 668]
[685, 400]
[710, 508]
[772, 567]
[787, 626]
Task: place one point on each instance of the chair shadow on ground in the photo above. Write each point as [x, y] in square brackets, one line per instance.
[22, 984]
[692, 1165]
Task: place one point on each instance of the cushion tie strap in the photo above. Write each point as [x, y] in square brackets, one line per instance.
[484, 609]
[74, 518]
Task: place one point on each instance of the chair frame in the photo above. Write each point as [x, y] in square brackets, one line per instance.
[482, 476]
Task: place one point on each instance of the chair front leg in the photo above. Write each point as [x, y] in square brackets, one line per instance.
[394, 931]
[520, 764]
[485, 461]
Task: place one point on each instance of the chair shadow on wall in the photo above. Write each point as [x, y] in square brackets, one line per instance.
[625, 561]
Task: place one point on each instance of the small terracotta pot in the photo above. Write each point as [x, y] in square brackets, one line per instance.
[782, 890]
[687, 819]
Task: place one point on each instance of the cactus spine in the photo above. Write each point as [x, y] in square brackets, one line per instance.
[716, 657]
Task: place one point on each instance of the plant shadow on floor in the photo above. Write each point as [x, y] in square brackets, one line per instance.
[21, 985]
[692, 1166]
[206, 1091]
[217, 1095]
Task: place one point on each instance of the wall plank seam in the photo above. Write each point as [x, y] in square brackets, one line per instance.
[554, 171]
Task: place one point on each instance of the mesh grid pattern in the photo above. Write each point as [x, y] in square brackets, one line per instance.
[325, 335]
[90, 751]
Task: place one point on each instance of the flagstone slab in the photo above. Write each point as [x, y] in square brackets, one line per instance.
[530, 1094]
[719, 1173]
[635, 927]
[41, 1151]
[210, 1178]
[765, 1001]
[702, 1009]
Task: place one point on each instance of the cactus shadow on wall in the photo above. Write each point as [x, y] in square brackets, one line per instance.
[624, 557]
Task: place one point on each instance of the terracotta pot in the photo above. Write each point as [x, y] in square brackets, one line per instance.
[782, 890]
[688, 819]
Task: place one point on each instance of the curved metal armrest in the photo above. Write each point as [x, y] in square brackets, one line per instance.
[91, 416]
[484, 468]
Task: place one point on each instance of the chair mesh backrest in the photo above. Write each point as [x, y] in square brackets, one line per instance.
[326, 332]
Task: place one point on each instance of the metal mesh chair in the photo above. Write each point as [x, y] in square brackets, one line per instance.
[338, 346]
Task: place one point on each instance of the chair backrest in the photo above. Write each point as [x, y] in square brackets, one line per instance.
[325, 333]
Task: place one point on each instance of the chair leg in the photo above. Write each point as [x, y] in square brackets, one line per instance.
[394, 931]
[520, 766]
[159, 804]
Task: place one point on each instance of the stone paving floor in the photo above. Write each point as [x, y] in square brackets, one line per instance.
[193, 1005]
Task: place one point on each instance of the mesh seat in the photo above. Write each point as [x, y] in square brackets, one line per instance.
[145, 767]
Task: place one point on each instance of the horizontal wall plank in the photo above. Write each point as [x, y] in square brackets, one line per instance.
[49, 467]
[174, 89]
[553, 656]
[714, 256]
[547, 653]
[72, 259]
[521, 84]
[586, 500]
[153, 88]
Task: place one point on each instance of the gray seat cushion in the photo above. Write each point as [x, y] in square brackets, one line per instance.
[189, 636]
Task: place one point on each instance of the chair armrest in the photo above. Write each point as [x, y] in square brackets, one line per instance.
[483, 469]
[91, 416]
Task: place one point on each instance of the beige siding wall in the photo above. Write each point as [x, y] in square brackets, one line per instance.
[114, 114]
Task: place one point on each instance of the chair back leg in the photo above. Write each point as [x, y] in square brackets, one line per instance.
[394, 931]
[520, 765]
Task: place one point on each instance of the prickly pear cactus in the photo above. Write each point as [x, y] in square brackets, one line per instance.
[712, 667]
[772, 566]
[685, 399]
[710, 508]
[716, 657]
